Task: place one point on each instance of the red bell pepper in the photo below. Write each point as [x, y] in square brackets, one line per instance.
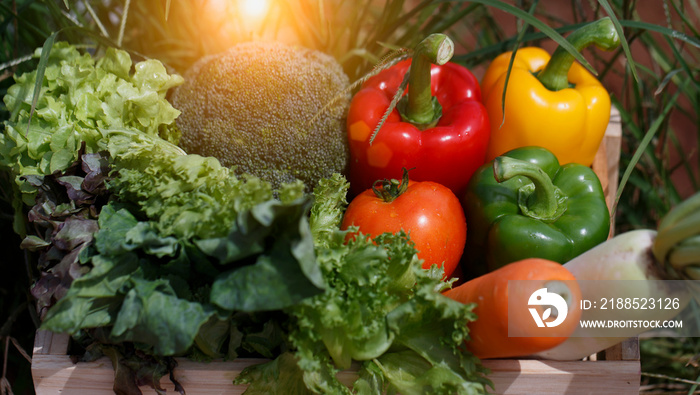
[440, 128]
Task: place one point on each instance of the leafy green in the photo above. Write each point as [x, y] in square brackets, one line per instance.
[78, 95]
[151, 313]
[329, 206]
[282, 277]
[65, 217]
[146, 257]
[184, 196]
[379, 308]
[189, 242]
[268, 378]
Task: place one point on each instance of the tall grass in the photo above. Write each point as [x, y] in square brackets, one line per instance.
[655, 85]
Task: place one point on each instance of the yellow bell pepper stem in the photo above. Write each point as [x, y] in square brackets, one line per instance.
[602, 33]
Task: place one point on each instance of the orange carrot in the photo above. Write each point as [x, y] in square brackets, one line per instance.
[490, 337]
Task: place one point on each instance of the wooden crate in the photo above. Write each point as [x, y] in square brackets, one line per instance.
[54, 372]
[616, 370]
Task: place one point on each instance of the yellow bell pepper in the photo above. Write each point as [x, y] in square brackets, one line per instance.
[552, 103]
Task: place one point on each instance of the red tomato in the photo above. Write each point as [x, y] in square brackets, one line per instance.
[429, 212]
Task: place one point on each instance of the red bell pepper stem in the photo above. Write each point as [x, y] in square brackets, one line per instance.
[602, 33]
[541, 199]
[419, 107]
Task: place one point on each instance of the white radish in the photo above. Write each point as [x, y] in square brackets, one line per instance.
[671, 253]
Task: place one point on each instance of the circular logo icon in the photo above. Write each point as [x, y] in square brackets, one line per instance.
[543, 298]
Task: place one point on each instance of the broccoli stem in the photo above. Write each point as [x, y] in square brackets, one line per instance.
[419, 107]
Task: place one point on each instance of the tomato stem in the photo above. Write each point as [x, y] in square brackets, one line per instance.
[419, 107]
[391, 188]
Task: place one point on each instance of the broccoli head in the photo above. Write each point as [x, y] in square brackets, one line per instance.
[268, 109]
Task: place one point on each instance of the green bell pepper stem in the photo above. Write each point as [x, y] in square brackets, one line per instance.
[546, 202]
[420, 107]
[602, 33]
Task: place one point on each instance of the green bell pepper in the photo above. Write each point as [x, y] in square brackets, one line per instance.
[523, 204]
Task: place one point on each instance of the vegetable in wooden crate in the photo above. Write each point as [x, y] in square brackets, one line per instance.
[525, 205]
[672, 252]
[429, 212]
[79, 97]
[552, 103]
[440, 128]
[273, 110]
[492, 293]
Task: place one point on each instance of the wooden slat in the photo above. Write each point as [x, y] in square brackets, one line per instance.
[628, 350]
[53, 372]
[613, 139]
[56, 374]
[558, 377]
[606, 163]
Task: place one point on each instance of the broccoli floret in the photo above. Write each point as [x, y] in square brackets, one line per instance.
[271, 110]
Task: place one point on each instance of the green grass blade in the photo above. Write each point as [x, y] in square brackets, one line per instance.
[644, 143]
[20, 19]
[621, 33]
[95, 18]
[684, 64]
[391, 25]
[495, 49]
[667, 79]
[518, 40]
[40, 70]
[687, 22]
[122, 24]
[454, 18]
[694, 41]
[543, 27]
[684, 163]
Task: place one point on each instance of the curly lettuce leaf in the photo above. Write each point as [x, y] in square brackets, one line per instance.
[185, 196]
[330, 202]
[430, 362]
[79, 95]
[350, 316]
[233, 221]
[410, 337]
